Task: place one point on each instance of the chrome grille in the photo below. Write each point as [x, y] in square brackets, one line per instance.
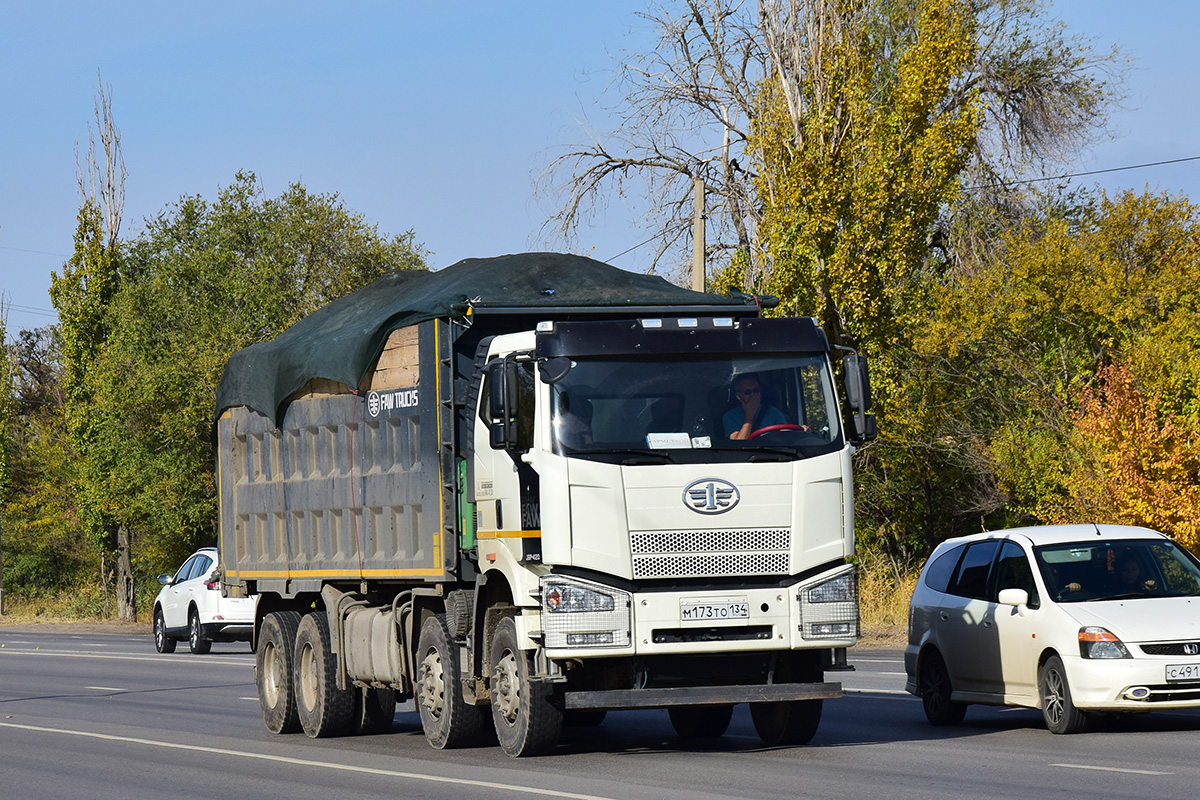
[1171, 649]
[711, 553]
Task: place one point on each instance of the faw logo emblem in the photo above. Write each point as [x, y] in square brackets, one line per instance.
[711, 496]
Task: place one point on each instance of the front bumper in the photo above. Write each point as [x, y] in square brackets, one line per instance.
[651, 623]
[1101, 684]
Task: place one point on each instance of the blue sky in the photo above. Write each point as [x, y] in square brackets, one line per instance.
[435, 117]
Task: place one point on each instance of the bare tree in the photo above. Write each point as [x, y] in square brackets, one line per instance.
[686, 109]
[685, 112]
[103, 183]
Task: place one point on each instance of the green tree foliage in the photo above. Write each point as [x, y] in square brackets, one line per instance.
[1073, 360]
[202, 280]
[206, 280]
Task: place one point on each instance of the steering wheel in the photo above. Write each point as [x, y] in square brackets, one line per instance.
[773, 428]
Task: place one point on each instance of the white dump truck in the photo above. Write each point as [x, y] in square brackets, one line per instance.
[526, 490]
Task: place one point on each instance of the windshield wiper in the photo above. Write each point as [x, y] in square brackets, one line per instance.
[636, 457]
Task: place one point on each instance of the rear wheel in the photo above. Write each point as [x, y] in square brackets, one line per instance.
[196, 641]
[162, 642]
[375, 710]
[447, 719]
[273, 671]
[579, 718]
[700, 722]
[1058, 710]
[935, 692]
[323, 708]
[528, 715]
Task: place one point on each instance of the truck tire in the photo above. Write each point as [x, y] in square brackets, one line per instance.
[792, 722]
[196, 641]
[700, 722]
[323, 708]
[447, 719]
[273, 671]
[375, 710]
[528, 715]
[162, 642]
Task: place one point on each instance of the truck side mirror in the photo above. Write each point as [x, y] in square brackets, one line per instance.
[857, 380]
[503, 404]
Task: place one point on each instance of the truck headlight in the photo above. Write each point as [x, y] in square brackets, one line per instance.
[583, 614]
[829, 608]
[1097, 642]
[565, 598]
[834, 590]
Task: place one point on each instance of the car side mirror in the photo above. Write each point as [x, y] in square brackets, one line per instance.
[164, 579]
[1017, 598]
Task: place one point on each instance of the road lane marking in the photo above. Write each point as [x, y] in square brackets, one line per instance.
[1112, 769]
[389, 773]
[112, 657]
[106, 689]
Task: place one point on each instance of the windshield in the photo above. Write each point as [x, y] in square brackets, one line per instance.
[782, 403]
[1118, 570]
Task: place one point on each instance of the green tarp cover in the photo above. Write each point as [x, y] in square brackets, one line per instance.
[341, 340]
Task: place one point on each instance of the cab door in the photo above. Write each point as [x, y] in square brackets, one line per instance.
[1016, 630]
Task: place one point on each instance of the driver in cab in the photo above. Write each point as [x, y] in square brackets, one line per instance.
[750, 414]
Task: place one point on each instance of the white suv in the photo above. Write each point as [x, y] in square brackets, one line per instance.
[190, 606]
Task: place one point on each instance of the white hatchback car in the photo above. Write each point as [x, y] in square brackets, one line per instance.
[1066, 618]
[190, 606]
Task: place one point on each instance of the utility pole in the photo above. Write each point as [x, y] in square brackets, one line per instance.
[698, 244]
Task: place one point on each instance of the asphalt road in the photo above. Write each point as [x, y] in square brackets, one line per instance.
[104, 716]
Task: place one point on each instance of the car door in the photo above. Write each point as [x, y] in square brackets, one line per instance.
[174, 604]
[1017, 632]
[966, 629]
[197, 592]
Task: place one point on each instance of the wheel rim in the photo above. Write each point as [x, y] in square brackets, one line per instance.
[1054, 696]
[194, 631]
[159, 634]
[431, 684]
[506, 687]
[271, 671]
[308, 677]
[935, 688]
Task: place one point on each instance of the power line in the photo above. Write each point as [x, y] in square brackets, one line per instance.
[1084, 174]
[29, 309]
[38, 252]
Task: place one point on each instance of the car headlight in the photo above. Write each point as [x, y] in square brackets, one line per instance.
[1097, 642]
[565, 598]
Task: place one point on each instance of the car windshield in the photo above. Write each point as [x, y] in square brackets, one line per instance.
[782, 403]
[1118, 570]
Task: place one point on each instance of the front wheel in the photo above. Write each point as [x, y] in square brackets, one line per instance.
[528, 715]
[700, 722]
[196, 641]
[787, 723]
[936, 690]
[1058, 710]
[162, 642]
